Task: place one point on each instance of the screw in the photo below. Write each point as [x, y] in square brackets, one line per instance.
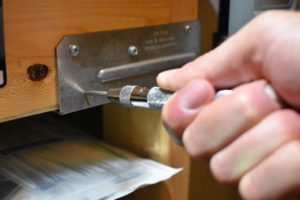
[133, 51]
[187, 29]
[37, 72]
[73, 50]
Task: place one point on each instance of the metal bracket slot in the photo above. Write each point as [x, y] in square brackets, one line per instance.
[144, 67]
[108, 59]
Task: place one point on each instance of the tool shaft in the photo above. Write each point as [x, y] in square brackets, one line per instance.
[137, 96]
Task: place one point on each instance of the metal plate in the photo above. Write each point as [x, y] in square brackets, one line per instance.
[103, 60]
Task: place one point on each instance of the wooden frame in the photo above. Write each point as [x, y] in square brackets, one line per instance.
[32, 30]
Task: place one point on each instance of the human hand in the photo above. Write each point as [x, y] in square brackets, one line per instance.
[250, 136]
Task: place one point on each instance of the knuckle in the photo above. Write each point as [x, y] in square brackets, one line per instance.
[265, 21]
[246, 105]
[287, 122]
[293, 150]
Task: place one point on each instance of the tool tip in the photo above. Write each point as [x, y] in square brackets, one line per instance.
[96, 92]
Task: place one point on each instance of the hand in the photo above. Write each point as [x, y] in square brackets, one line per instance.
[250, 136]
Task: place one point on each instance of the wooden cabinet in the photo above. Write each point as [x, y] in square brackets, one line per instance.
[33, 28]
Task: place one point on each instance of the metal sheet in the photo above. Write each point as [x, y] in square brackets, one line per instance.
[103, 60]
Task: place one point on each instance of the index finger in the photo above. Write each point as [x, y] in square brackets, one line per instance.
[237, 60]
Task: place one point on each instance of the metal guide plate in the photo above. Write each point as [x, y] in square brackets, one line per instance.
[109, 59]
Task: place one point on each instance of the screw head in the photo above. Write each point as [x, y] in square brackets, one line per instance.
[73, 50]
[133, 51]
[187, 29]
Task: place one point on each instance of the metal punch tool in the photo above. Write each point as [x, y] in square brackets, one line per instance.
[137, 96]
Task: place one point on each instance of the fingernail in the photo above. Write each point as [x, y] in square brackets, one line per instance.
[194, 94]
[172, 134]
[271, 93]
[164, 76]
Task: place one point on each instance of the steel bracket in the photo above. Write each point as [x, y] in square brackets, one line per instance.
[108, 59]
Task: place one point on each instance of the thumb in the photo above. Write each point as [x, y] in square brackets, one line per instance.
[184, 106]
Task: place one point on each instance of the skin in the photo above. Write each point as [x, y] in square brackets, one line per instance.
[251, 136]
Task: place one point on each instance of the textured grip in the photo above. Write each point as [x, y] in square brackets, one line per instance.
[125, 95]
[156, 98]
[133, 96]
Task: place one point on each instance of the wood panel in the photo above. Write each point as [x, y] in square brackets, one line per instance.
[33, 28]
[141, 132]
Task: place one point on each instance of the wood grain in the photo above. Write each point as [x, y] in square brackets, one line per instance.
[33, 28]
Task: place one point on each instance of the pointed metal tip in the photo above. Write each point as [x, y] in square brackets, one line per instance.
[96, 92]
